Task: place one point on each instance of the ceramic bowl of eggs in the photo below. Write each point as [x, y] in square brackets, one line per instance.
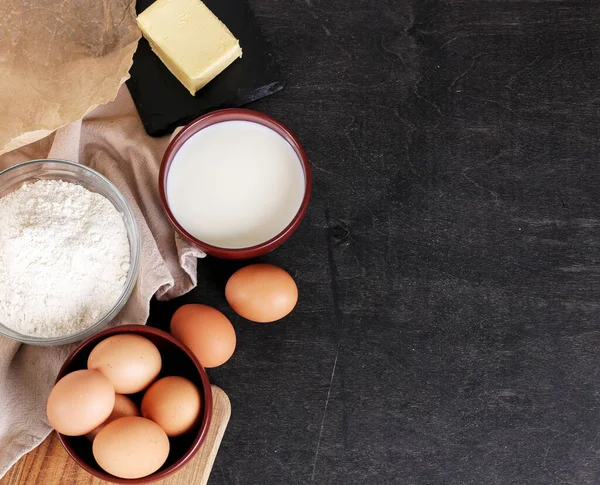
[132, 404]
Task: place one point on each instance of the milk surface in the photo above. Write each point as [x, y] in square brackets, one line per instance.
[235, 184]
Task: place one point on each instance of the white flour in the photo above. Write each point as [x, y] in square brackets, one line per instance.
[64, 258]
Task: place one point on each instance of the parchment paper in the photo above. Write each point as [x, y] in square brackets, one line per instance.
[59, 59]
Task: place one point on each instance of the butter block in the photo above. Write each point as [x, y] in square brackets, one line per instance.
[190, 40]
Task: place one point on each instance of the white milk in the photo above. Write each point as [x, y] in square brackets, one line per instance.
[235, 184]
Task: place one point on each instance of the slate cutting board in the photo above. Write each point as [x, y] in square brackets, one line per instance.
[162, 101]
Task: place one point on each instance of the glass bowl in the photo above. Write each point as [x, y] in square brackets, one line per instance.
[14, 177]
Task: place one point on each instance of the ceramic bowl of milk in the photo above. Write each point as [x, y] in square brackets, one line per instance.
[235, 183]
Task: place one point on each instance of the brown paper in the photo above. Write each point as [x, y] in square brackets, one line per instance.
[59, 59]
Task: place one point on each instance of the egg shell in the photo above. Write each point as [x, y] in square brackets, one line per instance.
[80, 402]
[123, 407]
[206, 332]
[131, 362]
[131, 447]
[261, 293]
[174, 403]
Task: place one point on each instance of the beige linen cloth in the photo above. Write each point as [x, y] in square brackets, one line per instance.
[111, 140]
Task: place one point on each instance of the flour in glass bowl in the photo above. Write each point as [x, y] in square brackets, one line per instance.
[64, 258]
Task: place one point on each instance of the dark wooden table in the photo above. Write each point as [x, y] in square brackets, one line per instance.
[448, 327]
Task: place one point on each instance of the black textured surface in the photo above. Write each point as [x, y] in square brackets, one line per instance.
[449, 265]
[164, 103]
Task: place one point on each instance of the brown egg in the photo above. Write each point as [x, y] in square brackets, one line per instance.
[131, 362]
[206, 332]
[261, 293]
[80, 402]
[131, 447]
[123, 407]
[174, 403]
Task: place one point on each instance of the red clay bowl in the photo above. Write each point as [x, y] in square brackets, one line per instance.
[235, 115]
[176, 360]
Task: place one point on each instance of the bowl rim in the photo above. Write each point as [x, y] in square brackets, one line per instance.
[143, 330]
[132, 276]
[213, 118]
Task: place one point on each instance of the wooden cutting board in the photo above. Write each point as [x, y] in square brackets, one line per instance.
[49, 463]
